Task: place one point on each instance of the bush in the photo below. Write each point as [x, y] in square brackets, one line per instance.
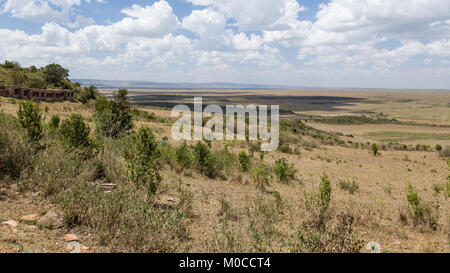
[143, 115]
[220, 163]
[142, 156]
[375, 149]
[438, 147]
[184, 155]
[284, 172]
[324, 192]
[316, 234]
[75, 132]
[351, 187]
[54, 122]
[87, 94]
[201, 152]
[421, 213]
[113, 118]
[260, 175]
[30, 117]
[244, 161]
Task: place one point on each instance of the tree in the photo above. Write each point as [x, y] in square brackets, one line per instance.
[11, 65]
[114, 117]
[55, 74]
[17, 76]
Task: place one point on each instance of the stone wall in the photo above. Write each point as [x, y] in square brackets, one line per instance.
[35, 94]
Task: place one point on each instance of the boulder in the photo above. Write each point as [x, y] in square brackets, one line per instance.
[50, 220]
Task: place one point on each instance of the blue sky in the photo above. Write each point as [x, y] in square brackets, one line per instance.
[336, 43]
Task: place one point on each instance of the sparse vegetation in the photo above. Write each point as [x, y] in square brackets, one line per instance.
[244, 161]
[75, 132]
[30, 118]
[351, 187]
[284, 172]
[260, 175]
[113, 117]
[141, 156]
[138, 191]
[375, 149]
[422, 213]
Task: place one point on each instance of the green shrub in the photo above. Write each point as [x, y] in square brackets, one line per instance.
[422, 214]
[220, 163]
[142, 156]
[316, 234]
[75, 132]
[184, 155]
[201, 152]
[438, 147]
[30, 118]
[143, 115]
[324, 192]
[351, 187]
[375, 149]
[113, 118]
[54, 122]
[87, 94]
[260, 175]
[284, 172]
[244, 161]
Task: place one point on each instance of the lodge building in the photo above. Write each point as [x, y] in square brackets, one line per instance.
[35, 93]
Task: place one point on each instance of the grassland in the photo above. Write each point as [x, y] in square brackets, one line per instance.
[195, 211]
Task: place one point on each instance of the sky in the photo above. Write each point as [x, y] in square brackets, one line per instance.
[335, 43]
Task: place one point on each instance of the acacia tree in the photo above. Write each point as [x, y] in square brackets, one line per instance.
[55, 74]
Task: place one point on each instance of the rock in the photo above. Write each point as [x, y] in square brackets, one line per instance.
[10, 223]
[32, 228]
[84, 247]
[30, 218]
[167, 202]
[74, 246]
[373, 247]
[71, 237]
[172, 200]
[50, 220]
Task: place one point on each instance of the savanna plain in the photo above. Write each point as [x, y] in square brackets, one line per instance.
[353, 167]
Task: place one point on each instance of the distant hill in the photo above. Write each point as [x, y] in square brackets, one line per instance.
[106, 84]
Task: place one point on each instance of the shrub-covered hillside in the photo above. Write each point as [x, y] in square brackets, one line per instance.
[50, 76]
